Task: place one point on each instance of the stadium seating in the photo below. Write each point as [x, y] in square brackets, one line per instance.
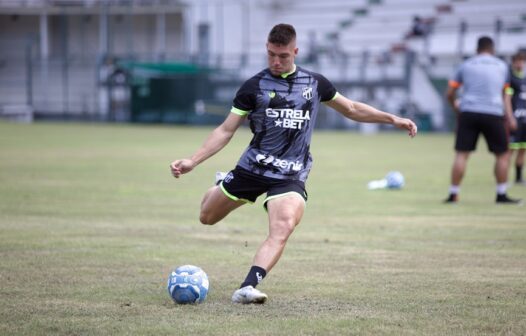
[356, 42]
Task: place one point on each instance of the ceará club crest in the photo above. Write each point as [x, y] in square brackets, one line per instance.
[307, 93]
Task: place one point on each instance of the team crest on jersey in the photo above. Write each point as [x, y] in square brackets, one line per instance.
[307, 93]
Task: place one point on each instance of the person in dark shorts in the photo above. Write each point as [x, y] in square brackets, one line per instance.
[517, 95]
[281, 102]
[481, 110]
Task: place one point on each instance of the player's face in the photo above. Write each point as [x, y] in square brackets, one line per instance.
[281, 57]
[518, 65]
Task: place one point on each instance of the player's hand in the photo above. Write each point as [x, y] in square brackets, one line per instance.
[406, 124]
[512, 123]
[456, 106]
[180, 167]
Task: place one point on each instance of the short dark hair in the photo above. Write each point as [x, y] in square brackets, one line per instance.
[282, 34]
[485, 43]
[518, 56]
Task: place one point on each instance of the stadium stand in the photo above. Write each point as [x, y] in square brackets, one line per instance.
[362, 45]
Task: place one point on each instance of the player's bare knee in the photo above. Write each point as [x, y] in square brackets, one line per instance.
[283, 230]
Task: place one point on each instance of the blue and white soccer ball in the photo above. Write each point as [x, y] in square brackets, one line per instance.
[188, 284]
[395, 180]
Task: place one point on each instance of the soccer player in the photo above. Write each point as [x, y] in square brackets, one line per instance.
[483, 78]
[517, 93]
[281, 103]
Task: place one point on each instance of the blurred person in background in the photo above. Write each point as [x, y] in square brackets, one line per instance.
[517, 95]
[481, 109]
[419, 28]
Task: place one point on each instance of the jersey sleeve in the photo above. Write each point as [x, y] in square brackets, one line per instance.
[326, 90]
[245, 99]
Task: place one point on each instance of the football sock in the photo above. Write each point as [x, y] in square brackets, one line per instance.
[518, 173]
[254, 277]
[454, 189]
[501, 188]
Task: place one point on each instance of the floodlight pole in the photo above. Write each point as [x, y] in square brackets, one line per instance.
[245, 37]
[161, 36]
[103, 30]
[29, 72]
[65, 61]
[44, 55]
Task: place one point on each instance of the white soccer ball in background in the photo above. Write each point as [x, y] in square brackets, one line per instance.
[188, 284]
[395, 180]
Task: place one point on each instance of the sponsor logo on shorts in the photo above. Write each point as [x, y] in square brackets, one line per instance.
[229, 177]
[280, 163]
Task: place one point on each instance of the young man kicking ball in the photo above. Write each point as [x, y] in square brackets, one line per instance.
[281, 103]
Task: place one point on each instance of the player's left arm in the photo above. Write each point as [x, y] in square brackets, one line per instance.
[365, 113]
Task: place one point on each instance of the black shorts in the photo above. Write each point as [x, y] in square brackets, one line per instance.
[242, 185]
[471, 124]
[518, 137]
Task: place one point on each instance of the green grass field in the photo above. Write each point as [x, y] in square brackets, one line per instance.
[92, 222]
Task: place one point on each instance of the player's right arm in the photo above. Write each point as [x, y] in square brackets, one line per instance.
[452, 87]
[451, 96]
[216, 141]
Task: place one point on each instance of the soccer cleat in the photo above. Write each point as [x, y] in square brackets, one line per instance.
[220, 176]
[452, 198]
[249, 294]
[520, 183]
[504, 199]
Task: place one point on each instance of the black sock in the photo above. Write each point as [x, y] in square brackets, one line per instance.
[518, 173]
[254, 277]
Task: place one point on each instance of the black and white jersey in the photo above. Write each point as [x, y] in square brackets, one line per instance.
[282, 111]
